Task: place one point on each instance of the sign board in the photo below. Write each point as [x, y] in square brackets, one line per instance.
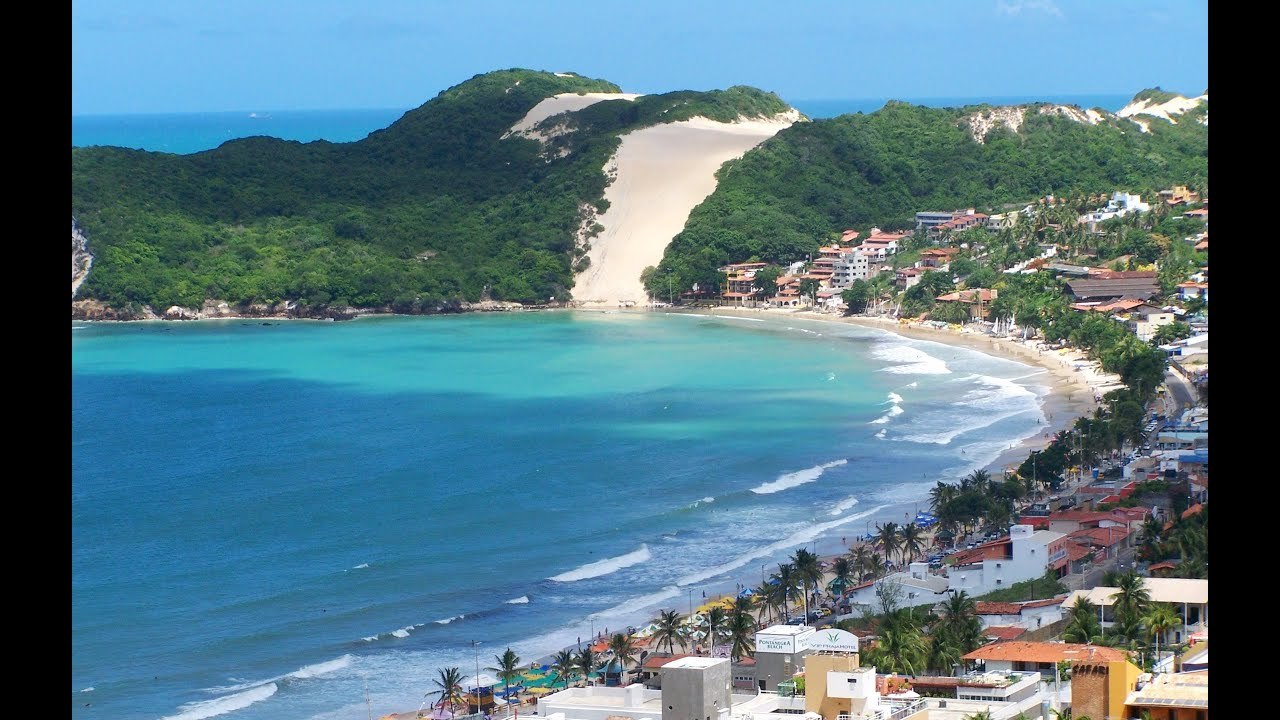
[834, 641]
[784, 643]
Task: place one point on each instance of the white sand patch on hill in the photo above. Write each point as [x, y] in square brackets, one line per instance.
[663, 172]
[1088, 117]
[1165, 110]
[983, 122]
[564, 102]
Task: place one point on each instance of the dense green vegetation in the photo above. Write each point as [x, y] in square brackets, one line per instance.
[436, 208]
[780, 201]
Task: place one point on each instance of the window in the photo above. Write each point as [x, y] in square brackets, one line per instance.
[999, 581]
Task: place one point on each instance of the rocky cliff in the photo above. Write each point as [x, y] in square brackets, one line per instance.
[81, 259]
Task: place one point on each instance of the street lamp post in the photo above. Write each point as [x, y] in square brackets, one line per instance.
[475, 644]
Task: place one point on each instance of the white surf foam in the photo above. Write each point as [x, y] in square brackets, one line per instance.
[401, 633]
[323, 668]
[636, 604]
[908, 360]
[996, 399]
[881, 433]
[221, 706]
[361, 566]
[522, 600]
[369, 638]
[894, 398]
[708, 499]
[844, 505]
[89, 689]
[893, 412]
[447, 620]
[797, 538]
[799, 477]
[604, 567]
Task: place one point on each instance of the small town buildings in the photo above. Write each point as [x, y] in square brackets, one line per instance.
[1179, 195]
[1023, 616]
[1107, 289]
[978, 300]
[908, 277]
[1042, 657]
[1190, 598]
[1192, 290]
[937, 257]
[1022, 555]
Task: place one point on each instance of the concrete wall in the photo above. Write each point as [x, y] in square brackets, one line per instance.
[696, 693]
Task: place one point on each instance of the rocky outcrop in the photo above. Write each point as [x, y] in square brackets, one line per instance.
[81, 258]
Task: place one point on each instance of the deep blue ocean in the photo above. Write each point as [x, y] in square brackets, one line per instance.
[193, 132]
[266, 516]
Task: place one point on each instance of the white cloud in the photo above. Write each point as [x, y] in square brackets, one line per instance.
[1015, 7]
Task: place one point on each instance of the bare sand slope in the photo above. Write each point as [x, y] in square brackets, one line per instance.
[564, 102]
[663, 172]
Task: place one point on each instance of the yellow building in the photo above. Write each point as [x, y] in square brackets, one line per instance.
[1099, 688]
[1171, 696]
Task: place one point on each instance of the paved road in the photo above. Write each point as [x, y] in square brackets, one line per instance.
[1092, 577]
[1183, 392]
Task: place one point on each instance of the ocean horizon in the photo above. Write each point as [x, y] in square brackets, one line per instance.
[269, 515]
[184, 133]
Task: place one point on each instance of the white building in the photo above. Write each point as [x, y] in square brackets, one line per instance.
[856, 265]
[916, 586]
[1021, 556]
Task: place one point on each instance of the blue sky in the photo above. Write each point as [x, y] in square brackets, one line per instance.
[146, 56]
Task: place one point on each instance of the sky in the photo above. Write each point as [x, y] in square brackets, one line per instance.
[153, 56]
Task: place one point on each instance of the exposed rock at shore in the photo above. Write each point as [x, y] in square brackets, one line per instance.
[212, 309]
[81, 258]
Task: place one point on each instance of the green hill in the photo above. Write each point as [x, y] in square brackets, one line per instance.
[780, 201]
[437, 208]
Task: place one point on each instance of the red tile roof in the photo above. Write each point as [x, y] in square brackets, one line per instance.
[1102, 537]
[1193, 510]
[998, 608]
[1044, 652]
[970, 296]
[1003, 632]
[653, 662]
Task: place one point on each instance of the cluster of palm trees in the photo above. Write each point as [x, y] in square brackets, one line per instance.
[733, 625]
[977, 501]
[1139, 622]
[913, 641]
[1187, 540]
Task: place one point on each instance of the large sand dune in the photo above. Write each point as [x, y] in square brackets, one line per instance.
[662, 173]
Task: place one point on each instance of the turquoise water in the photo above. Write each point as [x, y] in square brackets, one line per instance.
[193, 132]
[267, 516]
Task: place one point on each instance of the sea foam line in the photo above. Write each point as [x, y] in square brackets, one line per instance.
[799, 537]
[844, 505]
[799, 477]
[909, 360]
[302, 673]
[220, 706]
[445, 621]
[522, 600]
[604, 567]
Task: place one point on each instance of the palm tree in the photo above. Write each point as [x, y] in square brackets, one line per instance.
[809, 569]
[564, 665]
[860, 556]
[960, 621]
[912, 541]
[717, 620]
[742, 630]
[669, 623]
[876, 565]
[888, 539]
[787, 580]
[841, 568]
[588, 663]
[1133, 597]
[623, 647]
[1083, 625]
[507, 669]
[1160, 619]
[940, 495]
[448, 687]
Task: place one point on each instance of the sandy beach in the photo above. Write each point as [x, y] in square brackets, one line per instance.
[662, 173]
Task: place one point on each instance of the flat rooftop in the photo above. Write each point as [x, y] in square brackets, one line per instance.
[785, 630]
[694, 661]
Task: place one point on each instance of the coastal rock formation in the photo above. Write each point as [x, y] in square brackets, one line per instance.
[81, 258]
